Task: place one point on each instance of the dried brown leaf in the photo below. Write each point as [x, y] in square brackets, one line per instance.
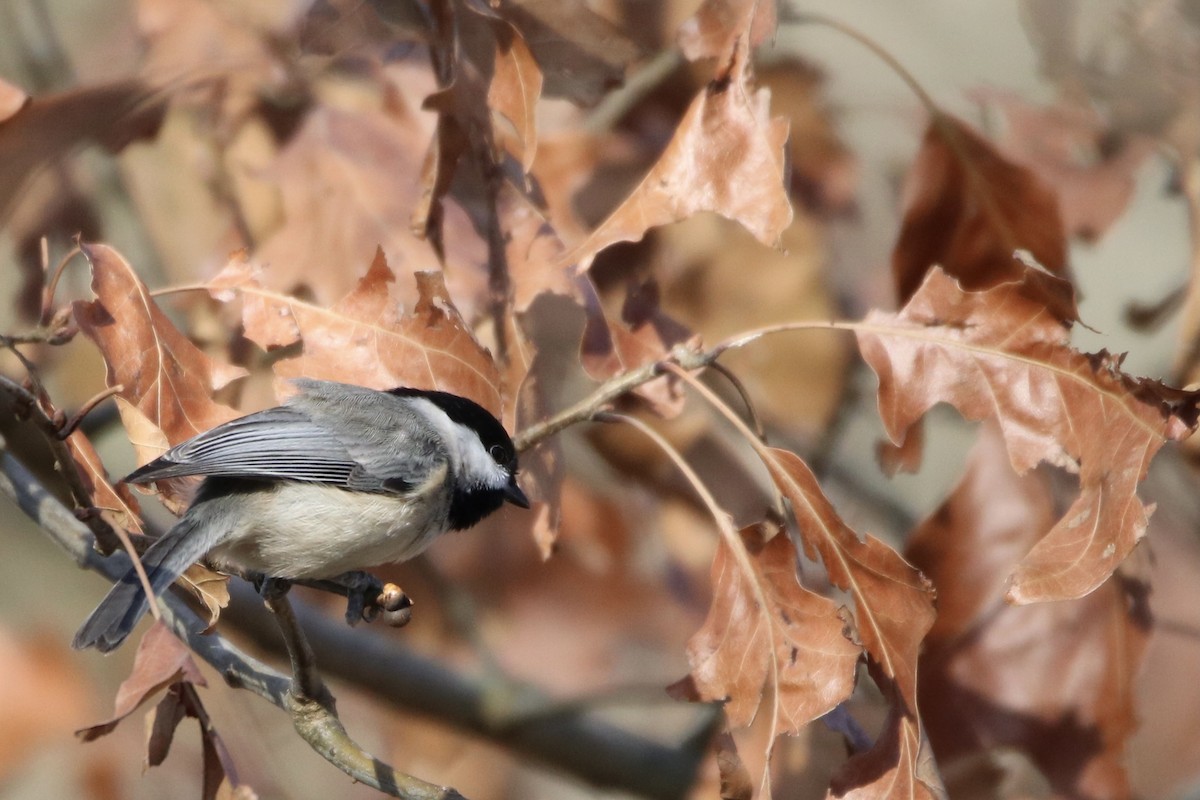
[967, 209]
[999, 354]
[161, 660]
[726, 156]
[165, 378]
[794, 647]
[893, 603]
[367, 339]
[1055, 680]
[349, 181]
[893, 609]
[712, 32]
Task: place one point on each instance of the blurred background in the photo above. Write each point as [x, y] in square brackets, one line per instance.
[608, 617]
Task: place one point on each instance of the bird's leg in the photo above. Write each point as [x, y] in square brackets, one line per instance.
[366, 596]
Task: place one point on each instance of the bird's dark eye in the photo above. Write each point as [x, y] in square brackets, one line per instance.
[497, 453]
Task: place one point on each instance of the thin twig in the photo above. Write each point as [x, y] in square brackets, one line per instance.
[50, 430]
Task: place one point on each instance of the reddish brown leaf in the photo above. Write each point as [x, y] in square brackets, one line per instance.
[998, 354]
[167, 382]
[161, 660]
[1055, 680]
[898, 765]
[365, 338]
[513, 93]
[967, 209]
[713, 30]
[726, 156]
[766, 633]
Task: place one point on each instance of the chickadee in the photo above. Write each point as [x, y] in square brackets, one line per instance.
[338, 478]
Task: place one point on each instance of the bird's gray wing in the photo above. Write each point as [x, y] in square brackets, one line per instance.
[392, 446]
[281, 443]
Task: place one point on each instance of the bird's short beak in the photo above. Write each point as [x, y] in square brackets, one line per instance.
[514, 495]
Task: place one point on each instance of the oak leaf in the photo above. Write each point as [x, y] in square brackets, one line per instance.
[999, 354]
[893, 609]
[767, 633]
[366, 338]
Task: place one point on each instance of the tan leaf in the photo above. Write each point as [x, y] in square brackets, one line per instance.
[1055, 680]
[967, 209]
[794, 647]
[367, 339]
[713, 30]
[726, 157]
[999, 354]
[161, 660]
[210, 588]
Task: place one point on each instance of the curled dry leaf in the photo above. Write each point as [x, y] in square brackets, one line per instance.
[793, 647]
[366, 338]
[1055, 680]
[893, 609]
[726, 156]
[161, 660]
[210, 588]
[165, 378]
[999, 354]
[967, 209]
[713, 31]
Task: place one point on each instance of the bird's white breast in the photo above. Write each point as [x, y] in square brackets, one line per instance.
[315, 531]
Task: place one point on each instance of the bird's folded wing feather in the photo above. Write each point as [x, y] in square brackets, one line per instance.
[281, 443]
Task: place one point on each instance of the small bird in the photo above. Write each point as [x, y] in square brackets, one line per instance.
[338, 478]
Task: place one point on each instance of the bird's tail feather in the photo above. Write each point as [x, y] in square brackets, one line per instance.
[125, 604]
